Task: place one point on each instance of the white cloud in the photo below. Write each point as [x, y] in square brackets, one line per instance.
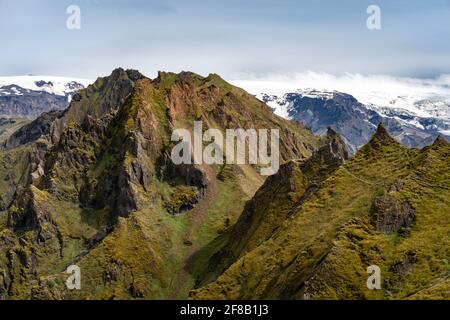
[350, 83]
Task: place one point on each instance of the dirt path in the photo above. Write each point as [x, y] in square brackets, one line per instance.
[196, 218]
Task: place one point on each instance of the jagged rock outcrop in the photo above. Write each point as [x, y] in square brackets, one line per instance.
[32, 131]
[390, 214]
[32, 213]
[381, 138]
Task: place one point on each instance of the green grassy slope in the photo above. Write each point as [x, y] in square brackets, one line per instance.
[388, 206]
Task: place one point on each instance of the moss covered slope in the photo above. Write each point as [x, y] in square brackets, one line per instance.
[388, 206]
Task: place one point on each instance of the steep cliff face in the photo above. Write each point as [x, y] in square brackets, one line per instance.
[95, 186]
[387, 206]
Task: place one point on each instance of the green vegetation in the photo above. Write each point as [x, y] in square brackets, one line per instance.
[100, 191]
[322, 250]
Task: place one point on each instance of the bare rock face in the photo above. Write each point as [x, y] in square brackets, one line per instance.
[403, 266]
[390, 214]
[30, 212]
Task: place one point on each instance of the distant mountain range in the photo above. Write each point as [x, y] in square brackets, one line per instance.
[29, 96]
[413, 119]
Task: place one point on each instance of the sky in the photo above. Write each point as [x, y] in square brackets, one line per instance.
[238, 39]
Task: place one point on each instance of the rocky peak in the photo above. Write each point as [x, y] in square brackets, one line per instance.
[381, 137]
[389, 214]
[331, 132]
[134, 75]
[120, 73]
[105, 96]
[440, 141]
[382, 133]
[333, 148]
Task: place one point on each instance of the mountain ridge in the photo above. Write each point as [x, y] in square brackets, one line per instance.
[375, 209]
[97, 183]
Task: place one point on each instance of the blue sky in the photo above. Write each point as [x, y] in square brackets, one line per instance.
[235, 38]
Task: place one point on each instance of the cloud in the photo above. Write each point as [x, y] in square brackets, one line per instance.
[356, 84]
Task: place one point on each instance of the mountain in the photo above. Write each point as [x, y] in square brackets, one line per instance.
[29, 96]
[355, 121]
[94, 186]
[414, 119]
[388, 207]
